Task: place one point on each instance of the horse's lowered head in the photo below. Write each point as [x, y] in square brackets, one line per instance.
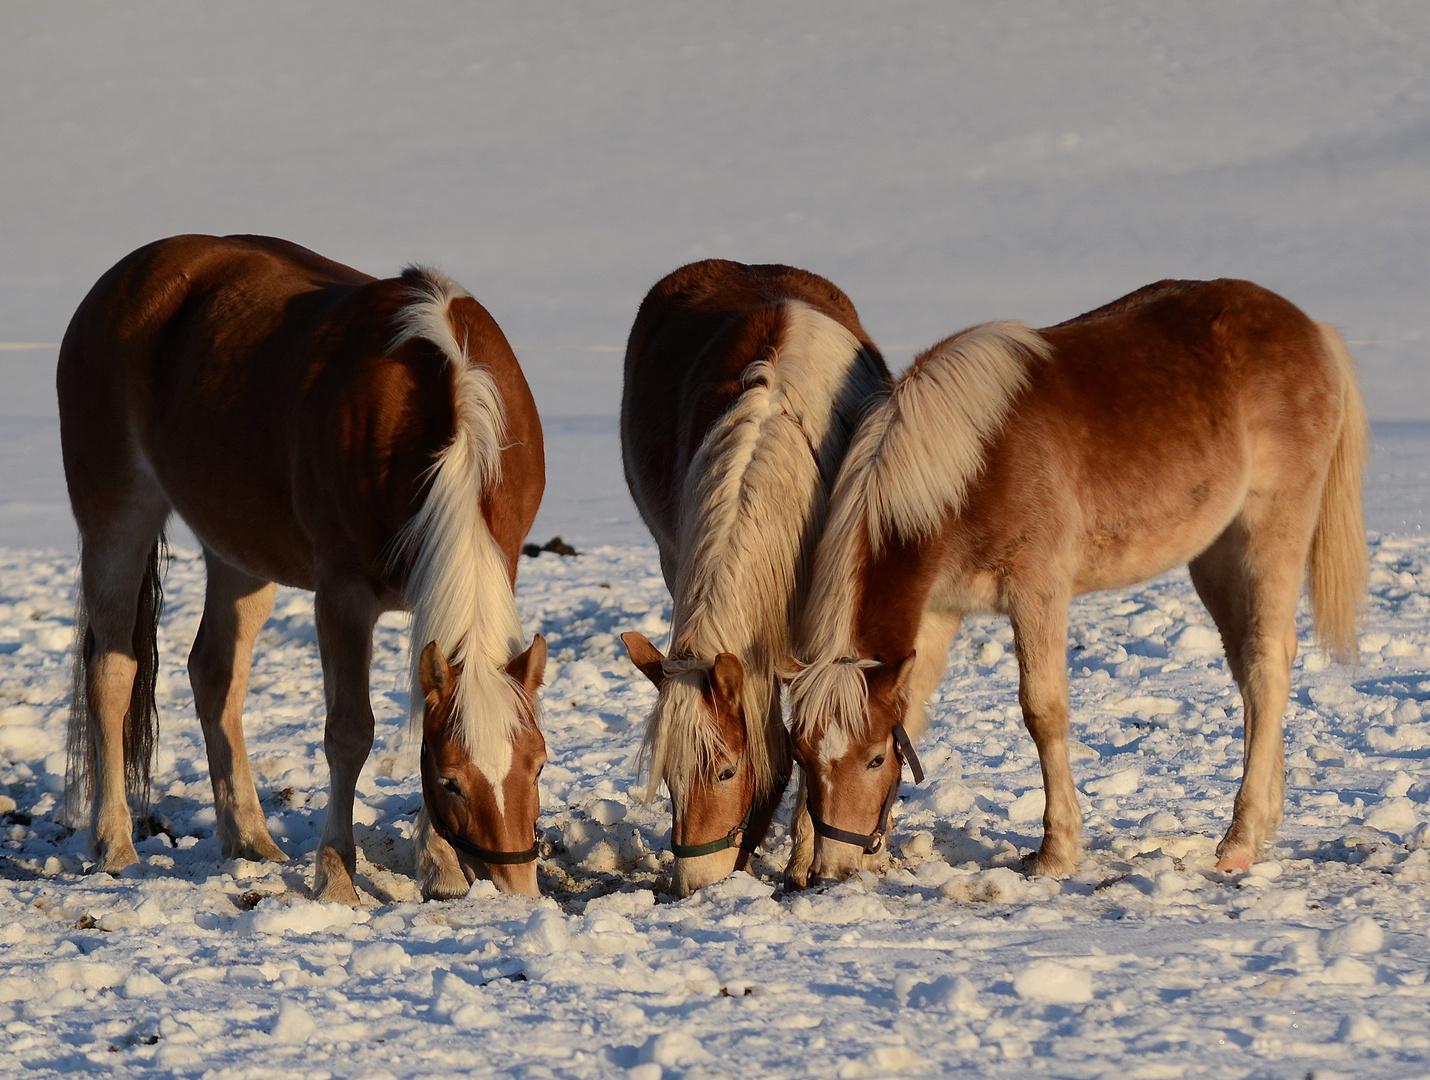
[849, 738]
[481, 800]
[700, 743]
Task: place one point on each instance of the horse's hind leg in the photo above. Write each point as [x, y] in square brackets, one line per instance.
[236, 605]
[1250, 580]
[115, 561]
[346, 614]
[1040, 638]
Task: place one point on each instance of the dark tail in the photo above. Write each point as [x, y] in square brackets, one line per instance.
[141, 725]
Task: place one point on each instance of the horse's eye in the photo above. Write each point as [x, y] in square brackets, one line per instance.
[452, 785]
[727, 773]
[877, 762]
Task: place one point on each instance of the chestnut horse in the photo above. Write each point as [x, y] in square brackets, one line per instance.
[373, 441]
[1209, 423]
[742, 386]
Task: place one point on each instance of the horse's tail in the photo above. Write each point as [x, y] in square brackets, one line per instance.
[1339, 561]
[141, 724]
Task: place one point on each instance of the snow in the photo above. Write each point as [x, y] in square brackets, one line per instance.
[943, 164]
[1147, 962]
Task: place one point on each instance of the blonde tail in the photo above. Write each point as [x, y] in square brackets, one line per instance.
[1339, 561]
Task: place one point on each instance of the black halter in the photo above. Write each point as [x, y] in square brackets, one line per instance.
[737, 835]
[874, 841]
[740, 835]
[461, 843]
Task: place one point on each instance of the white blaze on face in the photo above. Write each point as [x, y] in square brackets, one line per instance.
[495, 764]
[833, 745]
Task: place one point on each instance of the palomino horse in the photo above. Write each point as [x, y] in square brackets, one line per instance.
[742, 386]
[373, 441]
[1011, 469]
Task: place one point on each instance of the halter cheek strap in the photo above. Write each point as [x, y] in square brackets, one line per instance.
[461, 843]
[873, 842]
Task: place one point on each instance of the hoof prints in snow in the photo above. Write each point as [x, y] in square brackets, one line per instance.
[953, 959]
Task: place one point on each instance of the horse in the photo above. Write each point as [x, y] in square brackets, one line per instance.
[1010, 469]
[373, 441]
[742, 386]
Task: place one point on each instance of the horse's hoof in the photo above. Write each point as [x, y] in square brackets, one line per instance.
[257, 849]
[332, 884]
[445, 884]
[1234, 860]
[114, 857]
[1054, 864]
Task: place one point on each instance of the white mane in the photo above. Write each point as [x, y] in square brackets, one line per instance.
[754, 498]
[908, 467]
[458, 587]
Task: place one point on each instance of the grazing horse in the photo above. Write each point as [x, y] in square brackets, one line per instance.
[742, 386]
[373, 441]
[1209, 423]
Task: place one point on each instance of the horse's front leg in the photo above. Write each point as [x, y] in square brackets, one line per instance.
[801, 830]
[236, 605]
[346, 614]
[1040, 638]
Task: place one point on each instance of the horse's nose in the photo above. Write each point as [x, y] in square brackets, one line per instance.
[520, 878]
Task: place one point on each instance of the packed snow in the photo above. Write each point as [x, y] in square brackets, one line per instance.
[943, 163]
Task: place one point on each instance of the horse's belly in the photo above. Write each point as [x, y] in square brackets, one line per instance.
[250, 525]
[1130, 547]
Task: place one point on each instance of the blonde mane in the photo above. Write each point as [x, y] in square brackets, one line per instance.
[754, 498]
[909, 465]
[458, 587]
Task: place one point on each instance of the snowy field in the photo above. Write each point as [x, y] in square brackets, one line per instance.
[1146, 964]
[944, 163]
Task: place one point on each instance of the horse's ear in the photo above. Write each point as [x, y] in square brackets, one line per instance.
[727, 683]
[644, 655]
[434, 675]
[896, 676]
[727, 679]
[530, 667]
[905, 675]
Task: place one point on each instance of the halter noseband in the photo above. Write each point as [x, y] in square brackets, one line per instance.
[737, 835]
[874, 841]
[461, 843]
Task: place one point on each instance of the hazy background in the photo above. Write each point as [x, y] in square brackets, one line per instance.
[944, 163]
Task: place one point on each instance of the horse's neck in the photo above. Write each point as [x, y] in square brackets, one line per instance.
[896, 587]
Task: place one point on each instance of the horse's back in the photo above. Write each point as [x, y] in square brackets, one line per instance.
[1155, 419]
[254, 370]
[697, 332]
[1187, 360]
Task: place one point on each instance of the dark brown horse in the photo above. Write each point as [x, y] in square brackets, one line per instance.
[742, 385]
[373, 441]
[1209, 423]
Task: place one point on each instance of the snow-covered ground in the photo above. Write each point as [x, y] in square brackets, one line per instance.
[944, 163]
[1147, 963]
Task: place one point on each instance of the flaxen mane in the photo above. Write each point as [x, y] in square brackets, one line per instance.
[909, 465]
[458, 587]
[754, 499]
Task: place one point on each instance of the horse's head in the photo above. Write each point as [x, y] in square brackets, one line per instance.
[850, 742]
[701, 744]
[483, 803]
